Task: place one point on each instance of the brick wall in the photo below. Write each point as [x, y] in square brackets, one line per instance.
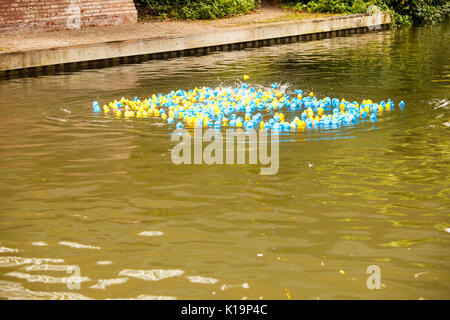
[33, 15]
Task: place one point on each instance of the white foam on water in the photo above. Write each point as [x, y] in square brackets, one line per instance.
[146, 297]
[5, 249]
[15, 291]
[104, 263]
[39, 244]
[46, 279]
[48, 267]
[151, 233]
[440, 103]
[149, 297]
[153, 275]
[202, 280]
[103, 283]
[78, 245]
[418, 275]
[17, 261]
[244, 285]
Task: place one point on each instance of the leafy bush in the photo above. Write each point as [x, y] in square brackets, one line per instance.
[402, 11]
[360, 6]
[195, 9]
[333, 6]
[420, 11]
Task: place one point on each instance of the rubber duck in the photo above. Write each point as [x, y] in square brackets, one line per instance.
[320, 111]
[276, 117]
[363, 114]
[276, 126]
[301, 125]
[237, 106]
[388, 106]
[95, 106]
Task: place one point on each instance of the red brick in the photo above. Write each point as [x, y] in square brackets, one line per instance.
[27, 15]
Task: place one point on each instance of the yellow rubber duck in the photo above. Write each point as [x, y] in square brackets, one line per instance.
[301, 126]
[320, 111]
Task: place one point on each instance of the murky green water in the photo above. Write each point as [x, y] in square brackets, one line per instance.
[344, 199]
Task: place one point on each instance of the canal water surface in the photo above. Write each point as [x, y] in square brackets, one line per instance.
[85, 195]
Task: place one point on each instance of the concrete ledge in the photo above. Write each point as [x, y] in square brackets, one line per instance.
[233, 37]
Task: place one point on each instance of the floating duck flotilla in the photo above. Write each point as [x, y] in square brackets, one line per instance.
[249, 108]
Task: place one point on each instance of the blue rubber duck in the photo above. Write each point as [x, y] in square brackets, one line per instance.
[95, 106]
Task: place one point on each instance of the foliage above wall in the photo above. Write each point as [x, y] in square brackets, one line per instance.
[195, 9]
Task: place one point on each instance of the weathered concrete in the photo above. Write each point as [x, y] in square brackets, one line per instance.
[231, 38]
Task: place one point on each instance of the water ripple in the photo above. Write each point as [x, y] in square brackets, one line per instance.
[153, 275]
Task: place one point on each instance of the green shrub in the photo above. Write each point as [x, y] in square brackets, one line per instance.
[360, 6]
[402, 11]
[333, 6]
[195, 9]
